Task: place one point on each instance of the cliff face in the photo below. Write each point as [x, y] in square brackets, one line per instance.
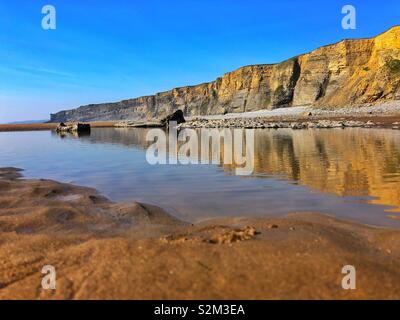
[349, 72]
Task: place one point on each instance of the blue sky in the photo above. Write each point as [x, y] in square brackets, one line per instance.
[111, 50]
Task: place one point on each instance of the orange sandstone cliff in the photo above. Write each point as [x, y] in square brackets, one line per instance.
[350, 72]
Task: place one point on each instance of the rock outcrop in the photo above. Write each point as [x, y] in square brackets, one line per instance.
[73, 127]
[350, 72]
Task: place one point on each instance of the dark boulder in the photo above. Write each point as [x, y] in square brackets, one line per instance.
[73, 127]
[177, 116]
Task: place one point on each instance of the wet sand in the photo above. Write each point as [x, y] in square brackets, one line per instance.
[106, 250]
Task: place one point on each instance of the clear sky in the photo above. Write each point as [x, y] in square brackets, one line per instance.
[105, 51]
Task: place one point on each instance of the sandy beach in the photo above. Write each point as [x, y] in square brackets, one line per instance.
[48, 126]
[106, 250]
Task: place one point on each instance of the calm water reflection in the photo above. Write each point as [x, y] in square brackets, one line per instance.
[351, 173]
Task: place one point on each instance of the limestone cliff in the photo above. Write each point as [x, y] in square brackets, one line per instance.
[349, 72]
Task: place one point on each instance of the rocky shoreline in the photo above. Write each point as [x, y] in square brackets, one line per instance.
[262, 123]
[386, 115]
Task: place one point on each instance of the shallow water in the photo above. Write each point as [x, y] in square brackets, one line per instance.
[349, 173]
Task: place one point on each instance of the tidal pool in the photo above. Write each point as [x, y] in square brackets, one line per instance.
[349, 173]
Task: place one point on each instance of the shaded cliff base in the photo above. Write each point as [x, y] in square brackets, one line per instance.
[388, 109]
[107, 250]
[385, 115]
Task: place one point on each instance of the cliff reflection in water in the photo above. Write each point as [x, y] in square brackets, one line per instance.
[349, 162]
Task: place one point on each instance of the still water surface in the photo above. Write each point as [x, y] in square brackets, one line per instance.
[351, 173]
